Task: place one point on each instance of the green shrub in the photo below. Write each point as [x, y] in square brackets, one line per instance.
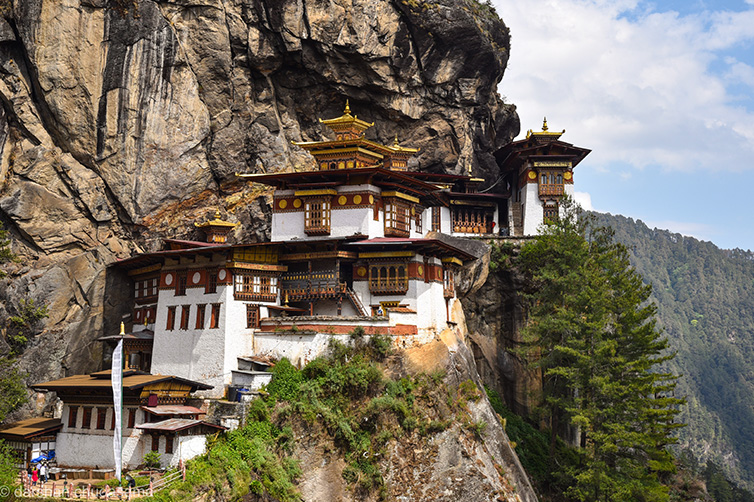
[259, 411]
[357, 333]
[256, 487]
[382, 345]
[152, 459]
[286, 381]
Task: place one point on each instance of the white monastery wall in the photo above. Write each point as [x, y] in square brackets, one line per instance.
[191, 353]
[446, 224]
[533, 212]
[79, 447]
[299, 348]
[184, 448]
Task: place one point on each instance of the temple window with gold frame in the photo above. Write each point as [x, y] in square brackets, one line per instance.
[471, 220]
[550, 211]
[253, 286]
[397, 218]
[551, 183]
[436, 221]
[317, 216]
[388, 278]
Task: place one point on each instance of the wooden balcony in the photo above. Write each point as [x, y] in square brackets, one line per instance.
[319, 284]
[259, 297]
[388, 286]
[550, 189]
[317, 230]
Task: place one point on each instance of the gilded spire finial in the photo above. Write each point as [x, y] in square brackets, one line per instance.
[122, 329]
[347, 111]
[395, 143]
[217, 214]
[544, 124]
[468, 168]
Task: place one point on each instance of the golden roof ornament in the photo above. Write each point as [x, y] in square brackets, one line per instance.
[349, 125]
[217, 222]
[122, 329]
[545, 134]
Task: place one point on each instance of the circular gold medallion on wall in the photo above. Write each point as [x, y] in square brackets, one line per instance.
[361, 271]
[342, 200]
[532, 175]
[357, 199]
[371, 199]
[283, 204]
[297, 203]
[567, 176]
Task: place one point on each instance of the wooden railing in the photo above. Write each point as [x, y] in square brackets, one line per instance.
[550, 189]
[321, 284]
[385, 285]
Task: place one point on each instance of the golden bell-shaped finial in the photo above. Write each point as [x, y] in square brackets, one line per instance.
[544, 124]
[395, 143]
[217, 214]
[347, 111]
[122, 329]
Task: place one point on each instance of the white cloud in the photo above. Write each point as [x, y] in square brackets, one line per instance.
[635, 85]
[583, 199]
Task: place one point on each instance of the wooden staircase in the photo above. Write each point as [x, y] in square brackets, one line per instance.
[351, 294]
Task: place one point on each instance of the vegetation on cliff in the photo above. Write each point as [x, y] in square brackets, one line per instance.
[343, 401]
[593, 335]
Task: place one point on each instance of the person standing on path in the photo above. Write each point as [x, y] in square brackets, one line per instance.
[43, 472]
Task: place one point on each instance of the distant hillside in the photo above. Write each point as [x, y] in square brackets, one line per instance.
[705, 298]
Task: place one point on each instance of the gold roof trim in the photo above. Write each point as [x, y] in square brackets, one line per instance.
[401, 195]
[347, 120]
[544, 132]
[217, 222]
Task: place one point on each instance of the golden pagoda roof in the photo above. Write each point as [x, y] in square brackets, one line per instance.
[217, 222]
[545, 132]
[347, 122]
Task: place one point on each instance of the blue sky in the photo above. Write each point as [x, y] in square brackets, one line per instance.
[663, 94]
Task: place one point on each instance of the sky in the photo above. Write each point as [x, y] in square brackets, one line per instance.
[662, 92]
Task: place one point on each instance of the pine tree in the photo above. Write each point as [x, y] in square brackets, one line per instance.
[600, 351]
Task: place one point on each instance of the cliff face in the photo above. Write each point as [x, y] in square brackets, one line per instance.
[124, 121]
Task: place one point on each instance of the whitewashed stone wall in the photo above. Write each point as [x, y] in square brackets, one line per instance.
[533, 210]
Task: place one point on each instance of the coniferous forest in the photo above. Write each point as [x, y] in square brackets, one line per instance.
[705, 304]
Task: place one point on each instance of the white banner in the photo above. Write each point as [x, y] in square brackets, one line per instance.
[117, 381]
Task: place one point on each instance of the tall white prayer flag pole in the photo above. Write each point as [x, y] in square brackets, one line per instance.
[117, 381]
